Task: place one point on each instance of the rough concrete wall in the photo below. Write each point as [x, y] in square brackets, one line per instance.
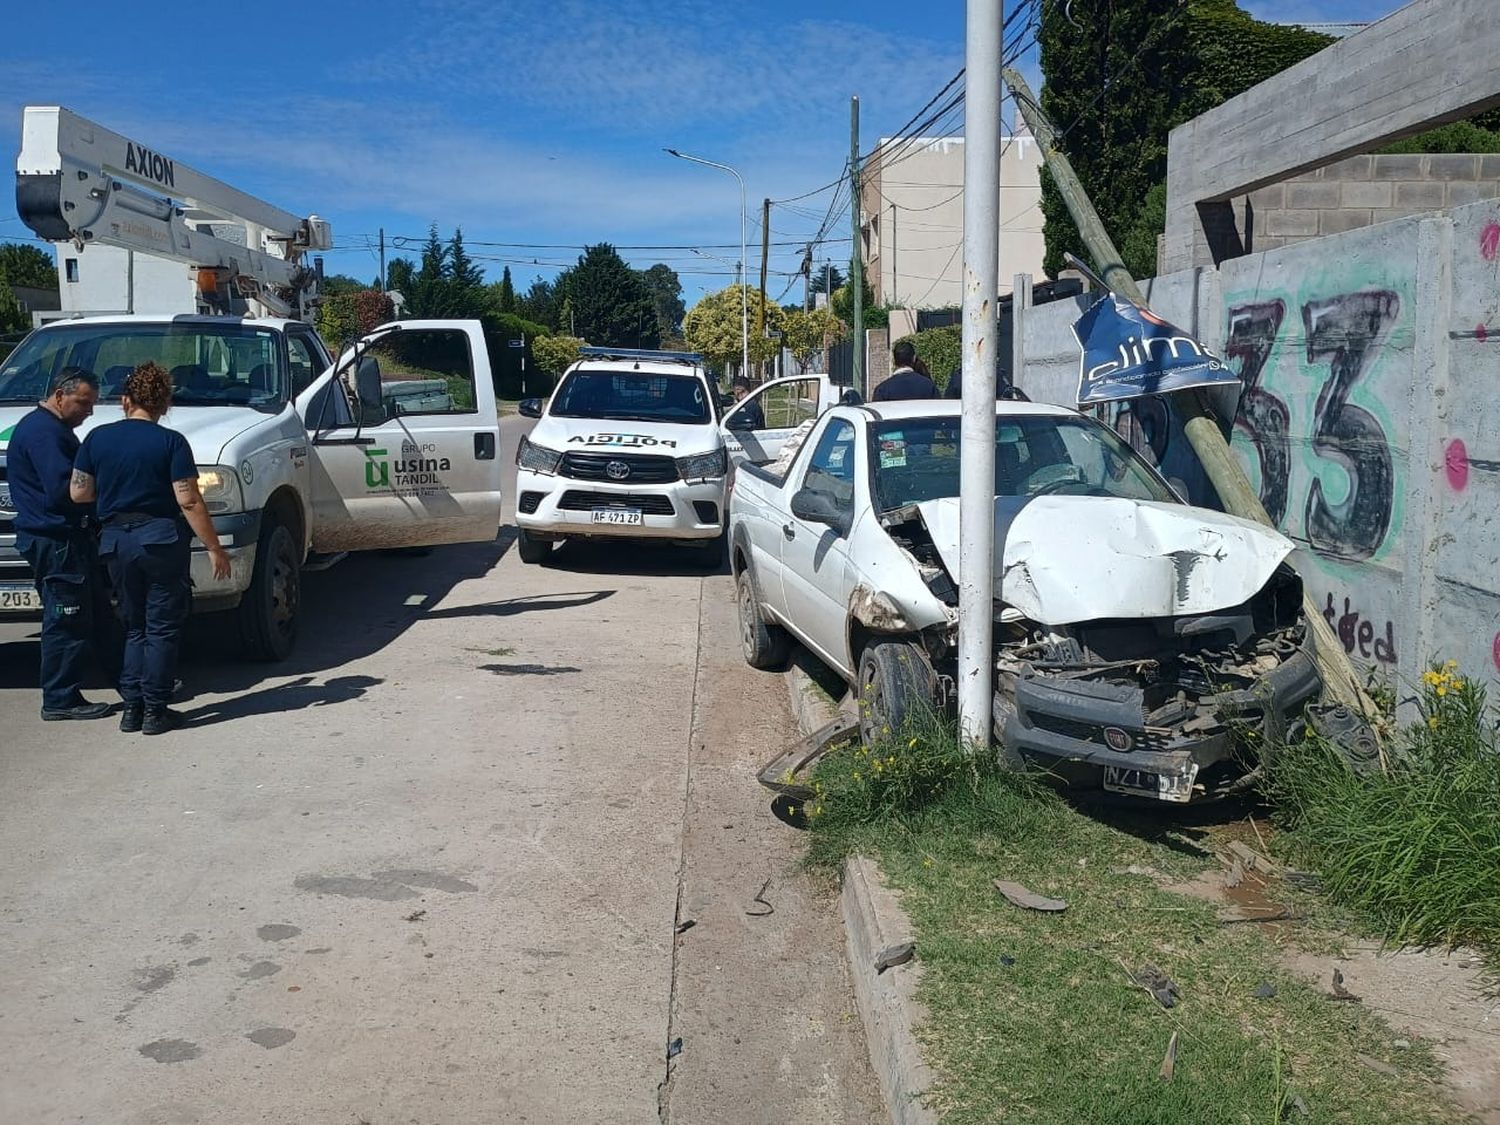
[1368, 422]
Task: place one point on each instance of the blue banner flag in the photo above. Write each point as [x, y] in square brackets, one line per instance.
[1130, 352]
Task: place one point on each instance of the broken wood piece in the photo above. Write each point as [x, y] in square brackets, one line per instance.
[1236, 873]
[1158, 986]
[1018, 895]
[1169, 1063]
[1339, 991]
[1237, 917]
[1251, 858]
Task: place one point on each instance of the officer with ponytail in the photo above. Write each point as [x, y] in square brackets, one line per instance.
[142, 477]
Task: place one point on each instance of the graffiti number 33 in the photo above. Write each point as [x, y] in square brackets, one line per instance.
[1345, 333]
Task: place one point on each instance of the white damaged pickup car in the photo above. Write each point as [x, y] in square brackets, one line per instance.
[1136, 637]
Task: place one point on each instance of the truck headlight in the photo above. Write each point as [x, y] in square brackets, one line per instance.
[220, 486]
[537, 458]
[702, 465]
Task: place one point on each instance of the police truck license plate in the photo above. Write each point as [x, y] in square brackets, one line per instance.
[19, 597]
[625, 517]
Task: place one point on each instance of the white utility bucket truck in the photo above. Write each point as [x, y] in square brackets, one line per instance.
[301, 459]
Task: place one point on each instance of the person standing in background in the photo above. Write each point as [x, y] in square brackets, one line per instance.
[52, 534]
[907, 381]
[144, 480]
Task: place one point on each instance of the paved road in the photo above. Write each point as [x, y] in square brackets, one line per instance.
[429, 871]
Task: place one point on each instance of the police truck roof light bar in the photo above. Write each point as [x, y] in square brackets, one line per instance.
[79, 182]
[692, 358]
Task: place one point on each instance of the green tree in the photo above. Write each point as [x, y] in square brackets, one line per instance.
[463, 271]
[27, 266]
[554, 354]
[12, 317]
[400, 275]
[337, 284]
[665, 288]
[610, 304]
[712, 327]
[505, 293]
[806, 332]
[345, 316]
[448, 285]
[820, 278]
[540, 303]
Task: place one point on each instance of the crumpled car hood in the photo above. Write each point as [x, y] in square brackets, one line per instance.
[1063, 559]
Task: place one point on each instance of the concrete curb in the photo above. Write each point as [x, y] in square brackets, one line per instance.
[881, 948]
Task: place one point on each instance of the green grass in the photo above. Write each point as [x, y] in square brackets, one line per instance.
[1032, 1017]
[1414, 850]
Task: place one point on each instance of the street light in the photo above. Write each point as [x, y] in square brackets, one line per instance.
[744, 289]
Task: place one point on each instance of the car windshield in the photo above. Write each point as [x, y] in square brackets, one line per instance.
[916, 459]
[211, 364]
[637, 396]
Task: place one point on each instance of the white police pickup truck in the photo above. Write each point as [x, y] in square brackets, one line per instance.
[631, 445]
[298, 458]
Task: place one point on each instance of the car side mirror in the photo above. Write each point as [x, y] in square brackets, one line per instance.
[814, 506]
[529, 408]
[367, 383]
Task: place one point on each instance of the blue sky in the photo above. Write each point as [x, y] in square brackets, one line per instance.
[524, 122]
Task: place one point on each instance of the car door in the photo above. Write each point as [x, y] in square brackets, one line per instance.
[816, 574]
[405, 440]
[756, 428]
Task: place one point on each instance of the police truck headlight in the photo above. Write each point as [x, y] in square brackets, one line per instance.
[220, 486]
[537, 458]
[703, 465]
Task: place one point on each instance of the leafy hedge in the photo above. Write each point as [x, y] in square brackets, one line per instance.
[941, 349]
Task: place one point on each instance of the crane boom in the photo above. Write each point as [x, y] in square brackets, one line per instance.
[79, 182]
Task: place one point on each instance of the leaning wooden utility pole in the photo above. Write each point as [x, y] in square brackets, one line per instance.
[765, 256]
[856, 261]
[1235, 491]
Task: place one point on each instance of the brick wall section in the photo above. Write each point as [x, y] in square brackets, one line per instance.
[877, 357]
[1361, 191]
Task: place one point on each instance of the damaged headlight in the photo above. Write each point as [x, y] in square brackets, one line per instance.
[537, 458]
[702, 465]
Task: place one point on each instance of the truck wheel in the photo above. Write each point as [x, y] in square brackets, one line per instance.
[531, 550]
[765, 646]
[269, 608]
[896, 683]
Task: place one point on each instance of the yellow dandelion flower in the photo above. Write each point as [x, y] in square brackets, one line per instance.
[912, 745]
[856, 775]
[1430, 678]
[927, 862]
[1451, 664]
[1442, 689]
[1432, 721]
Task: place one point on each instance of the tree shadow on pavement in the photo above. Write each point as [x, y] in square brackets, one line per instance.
[530, 603]
[636, 557]
[295, 696]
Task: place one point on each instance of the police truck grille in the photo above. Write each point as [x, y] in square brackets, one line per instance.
[575, 500]
[644, 469]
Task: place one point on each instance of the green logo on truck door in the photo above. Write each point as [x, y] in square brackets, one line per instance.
[377, 469]
[418, 471]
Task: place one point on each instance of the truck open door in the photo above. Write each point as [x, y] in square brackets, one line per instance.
[756, 428]
[405, 440]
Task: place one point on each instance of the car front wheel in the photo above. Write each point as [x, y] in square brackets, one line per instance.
[765, 646]
[896, 684]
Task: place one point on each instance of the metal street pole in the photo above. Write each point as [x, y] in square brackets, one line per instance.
[856, 261]
[976, 489]
[744, 294]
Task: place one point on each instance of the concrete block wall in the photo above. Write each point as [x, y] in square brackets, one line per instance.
[1360, 191]
[1369, 421]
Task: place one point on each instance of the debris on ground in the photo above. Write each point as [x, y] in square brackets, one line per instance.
[1265, 990]
[686, 924]
[760, 897]
[1169, 1063]
[1252, 859]
[1159, 986]
[893, 955]
[674, 1048]
[1377, 1066]
[1136, 869]
[1339, 991]
[1018, 895]
[416, 916]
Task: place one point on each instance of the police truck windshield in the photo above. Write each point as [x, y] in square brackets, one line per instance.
[637, 396]
[211, 364]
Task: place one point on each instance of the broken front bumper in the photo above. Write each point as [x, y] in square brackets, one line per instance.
[1093, 734]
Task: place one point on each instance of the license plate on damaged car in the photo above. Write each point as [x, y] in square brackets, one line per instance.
[19, 597]
[1176, 787]
[624, 517]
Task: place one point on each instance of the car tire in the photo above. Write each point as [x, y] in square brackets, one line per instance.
[896, 684]
[270, 608]
[533, 551]
[764, 646]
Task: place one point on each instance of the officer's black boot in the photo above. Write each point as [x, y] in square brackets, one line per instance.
[132, 717]
[159, 720]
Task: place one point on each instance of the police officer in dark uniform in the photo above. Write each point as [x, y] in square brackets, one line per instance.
[52, 533]
[145, 482]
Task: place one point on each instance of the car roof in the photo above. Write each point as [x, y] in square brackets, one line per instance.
[649, 366]
[184, 319]
[952, 408]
